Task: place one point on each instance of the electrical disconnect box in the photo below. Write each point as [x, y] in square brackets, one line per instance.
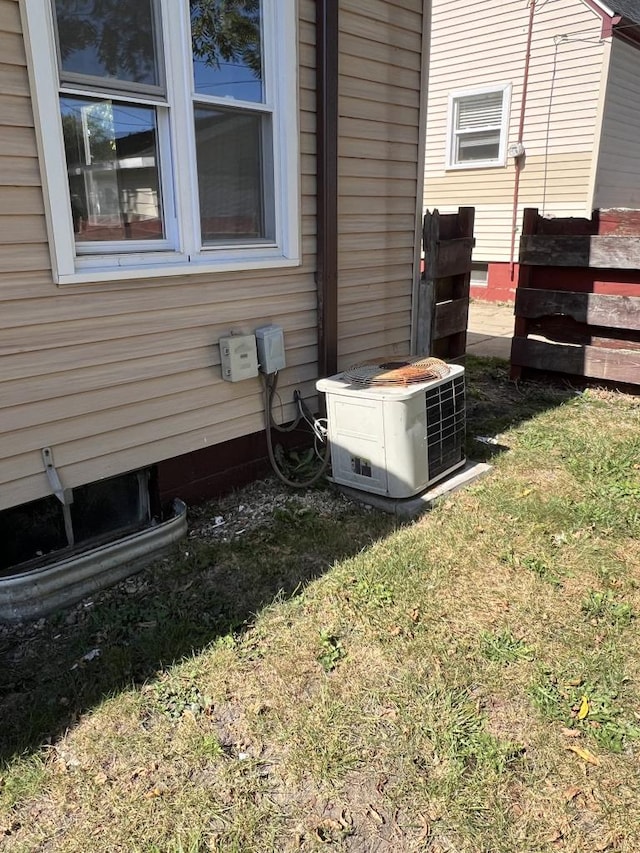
[238, 357]
[270, 340]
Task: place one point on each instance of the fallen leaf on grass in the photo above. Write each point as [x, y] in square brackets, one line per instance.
[571, 732]
[376, 815]
[346, 820]
[556, 836]
[381, 784]
[425, 832]
[572, 792]
[584, 754]
[153, 793]
[583, 710]
[328, 831]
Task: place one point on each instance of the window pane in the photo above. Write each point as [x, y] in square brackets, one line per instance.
[484, 145]
[233, 159]
[226, 41]
[106, 506]
[112, 164]
[108, 38]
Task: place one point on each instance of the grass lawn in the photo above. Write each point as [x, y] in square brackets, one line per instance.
[310, 675]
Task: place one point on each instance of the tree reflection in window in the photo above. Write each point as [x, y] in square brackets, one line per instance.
[226, 43]
[108, 39]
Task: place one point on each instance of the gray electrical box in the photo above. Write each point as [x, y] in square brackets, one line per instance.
[270, 340]
[238, 357]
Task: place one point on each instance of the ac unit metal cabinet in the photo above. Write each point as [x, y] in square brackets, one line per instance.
[395, 441]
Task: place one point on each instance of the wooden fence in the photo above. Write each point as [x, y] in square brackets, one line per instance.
[443, 295]
[578, 297]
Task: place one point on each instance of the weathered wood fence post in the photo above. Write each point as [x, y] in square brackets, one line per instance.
[443, 294]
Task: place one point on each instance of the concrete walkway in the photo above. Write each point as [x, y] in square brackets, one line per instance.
[490, 329]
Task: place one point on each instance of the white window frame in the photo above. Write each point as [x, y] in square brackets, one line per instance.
[184, 252]
[501, 159]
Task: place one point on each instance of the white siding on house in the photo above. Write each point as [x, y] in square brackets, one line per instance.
[618, 174]
[478, 44]
[116, 376]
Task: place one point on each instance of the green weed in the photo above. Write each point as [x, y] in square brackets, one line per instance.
[603, 607]
[331, 651]
[542, 570]
[503, 647]
[21, 781]
[173, 699]
[590, 707]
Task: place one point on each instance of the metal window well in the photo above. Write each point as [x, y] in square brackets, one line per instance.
[395, 439]
[31, 594]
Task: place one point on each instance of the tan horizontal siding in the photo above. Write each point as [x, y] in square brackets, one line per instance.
[15, 111]
[163, 332]
[119, 375]
[378, 176]
[18, 171]
[20, 201]
[14, 78]
[9, 16]
[97, 370]
[186, 397]
[77, 404]
[478, 44]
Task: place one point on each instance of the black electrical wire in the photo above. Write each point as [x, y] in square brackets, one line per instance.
[270, 383]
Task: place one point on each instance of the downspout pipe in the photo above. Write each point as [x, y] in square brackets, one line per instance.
[327, 183]
[523, 108]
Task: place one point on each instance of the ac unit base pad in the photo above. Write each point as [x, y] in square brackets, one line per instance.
[416, 505]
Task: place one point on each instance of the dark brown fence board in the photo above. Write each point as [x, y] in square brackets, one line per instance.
[613, 365]
[567, 330]
[454, 257]
[443, 292]
[598, 252]
[451, 318]
[617, 312]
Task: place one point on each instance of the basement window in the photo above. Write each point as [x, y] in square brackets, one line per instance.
[479, 274]
[39, 532]
[478, 127]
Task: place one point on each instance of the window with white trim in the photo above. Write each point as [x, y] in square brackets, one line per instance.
[168, 134]
[478, 127]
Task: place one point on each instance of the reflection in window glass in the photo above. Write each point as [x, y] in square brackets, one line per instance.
[112, 163]
[229, 147]
[108, 39]
[226, 43]
[484, 145]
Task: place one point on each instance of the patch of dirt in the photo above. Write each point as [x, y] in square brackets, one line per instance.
[255, 506]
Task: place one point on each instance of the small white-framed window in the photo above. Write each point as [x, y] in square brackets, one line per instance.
[168, 134]
[478, 127]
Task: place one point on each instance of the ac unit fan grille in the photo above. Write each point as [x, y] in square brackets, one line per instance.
[445, 426]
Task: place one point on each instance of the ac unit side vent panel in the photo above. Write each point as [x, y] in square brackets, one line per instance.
[446, 426]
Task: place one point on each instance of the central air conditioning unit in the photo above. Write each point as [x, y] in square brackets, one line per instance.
[395, 427]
